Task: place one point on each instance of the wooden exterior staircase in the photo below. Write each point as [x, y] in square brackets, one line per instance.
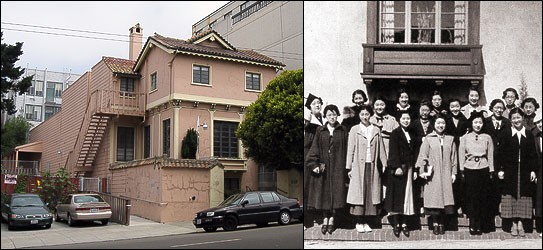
[101, 106]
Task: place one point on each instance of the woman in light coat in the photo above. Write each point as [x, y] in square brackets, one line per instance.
[365, 160]
[438, 155]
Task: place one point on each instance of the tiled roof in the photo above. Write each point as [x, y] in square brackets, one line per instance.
[162, 162]
[183, 45]
[118, 65]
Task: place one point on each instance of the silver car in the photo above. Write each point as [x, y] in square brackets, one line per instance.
[83, 207]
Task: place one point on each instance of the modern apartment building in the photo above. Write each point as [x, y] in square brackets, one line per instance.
[44, 97]
[272, 28]
[125, 120]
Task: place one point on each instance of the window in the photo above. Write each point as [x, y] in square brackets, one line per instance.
[252, 198]
[50, 111]
[231, 186]
[58, 89]
[127, 86]
[38, 89]
[423, 22]
[252, 81]
[125, 144]
[33, 112]
[225, 143]
[200, 74]
[243, 6]
[153, 81]
[166, 137]
[50, 93]
[267, 197]
[147, 142]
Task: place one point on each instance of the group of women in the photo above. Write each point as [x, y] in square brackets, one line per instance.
[438, 161]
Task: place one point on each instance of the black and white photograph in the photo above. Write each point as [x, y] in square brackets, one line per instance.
[422, 124]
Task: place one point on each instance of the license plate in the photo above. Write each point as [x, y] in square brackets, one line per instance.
[34, 222]
[94, 210]
[198, 221]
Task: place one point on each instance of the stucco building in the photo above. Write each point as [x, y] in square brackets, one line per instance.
[272, 28]
[381, 46]
[125, 120]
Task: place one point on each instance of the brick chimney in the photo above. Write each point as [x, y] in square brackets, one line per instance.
[136, 43]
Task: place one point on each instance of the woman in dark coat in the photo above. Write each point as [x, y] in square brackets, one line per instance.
[495, 126]
[326, 162]
[312, 120]
[399, 193]
[539, 146]
[517, 166]
[359, 98]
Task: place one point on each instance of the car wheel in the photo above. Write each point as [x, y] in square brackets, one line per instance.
[230, 224]
[71, 222]
[48, 226]
[104, 222]
[284, 217]
[262, 224]
[57, 218]
[210, 229]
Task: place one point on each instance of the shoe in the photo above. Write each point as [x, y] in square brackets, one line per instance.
[521, 229]
[514, 229]
[436, 230]
[396, 231]
[367, 228]
[331, 229]
[405, 231]
[360, 228]
[441, 231]
[472, 231]
[324, 229]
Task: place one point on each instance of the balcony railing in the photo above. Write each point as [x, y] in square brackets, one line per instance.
[251, 9]
[118, 102]
[30, 168]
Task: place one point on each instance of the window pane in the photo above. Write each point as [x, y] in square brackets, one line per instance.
[422, 36]
[447, 6]
[423, 6]
[447, 21]
[166, 137]
[252, 198]
[147, 143]
[266, 197]
[423, 20]
[58, 89]
[125, 144]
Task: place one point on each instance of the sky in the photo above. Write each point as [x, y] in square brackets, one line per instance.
[63, 53]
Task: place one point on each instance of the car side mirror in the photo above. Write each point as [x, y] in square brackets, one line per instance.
[7, 205]
[245, 202]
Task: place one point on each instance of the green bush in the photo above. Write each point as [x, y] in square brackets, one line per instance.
[53, 189]
[189, 144]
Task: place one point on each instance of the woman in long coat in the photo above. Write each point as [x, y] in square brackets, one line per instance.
[517, 166]
[539, 146]
[365, 160]
[312, 120]
[439, 152]
[401, 160]
[326, 163]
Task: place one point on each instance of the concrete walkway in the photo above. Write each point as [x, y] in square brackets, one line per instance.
[60, 233]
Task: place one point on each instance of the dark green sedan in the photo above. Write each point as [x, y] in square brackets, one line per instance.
[26, 210]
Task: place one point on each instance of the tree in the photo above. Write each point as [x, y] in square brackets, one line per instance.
[523, 88]
[10, 75]
[272, 131]
[14, 134]
[189, 145]
[53, 189]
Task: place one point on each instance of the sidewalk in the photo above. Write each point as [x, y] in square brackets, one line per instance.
[61, 233]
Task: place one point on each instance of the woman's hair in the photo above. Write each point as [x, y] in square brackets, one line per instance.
[400, 92]
[474, 115]
[496, 101]
[516, 110]
[425, 103]
[532, 100]
[512, 90]
[440, 116]
[382, 98]
[331, 107]
[362, 93]
[436, 92]
[366, 107]
[473, 88]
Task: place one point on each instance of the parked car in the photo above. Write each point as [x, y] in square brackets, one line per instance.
[83, 207]
[26, 210]
[256, 207]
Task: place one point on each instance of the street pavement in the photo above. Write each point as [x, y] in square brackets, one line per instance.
[60, 233]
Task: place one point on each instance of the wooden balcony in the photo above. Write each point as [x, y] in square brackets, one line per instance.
[428, 61]
[114, 102]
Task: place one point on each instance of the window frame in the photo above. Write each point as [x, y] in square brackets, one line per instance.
[153, 79]
[36, 89]
[58, 93]
[146, 141]
[252, 83]
[437, 23]
[208, 74]
[126, 145]
[35, 116]
[166, 137]
[219, 141]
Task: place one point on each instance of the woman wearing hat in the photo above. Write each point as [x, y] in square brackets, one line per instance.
[312, 120]
[516, 167]
[476, 160]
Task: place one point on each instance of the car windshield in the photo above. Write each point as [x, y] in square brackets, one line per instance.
[27, 202]
[232, 200]
[87, 198]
